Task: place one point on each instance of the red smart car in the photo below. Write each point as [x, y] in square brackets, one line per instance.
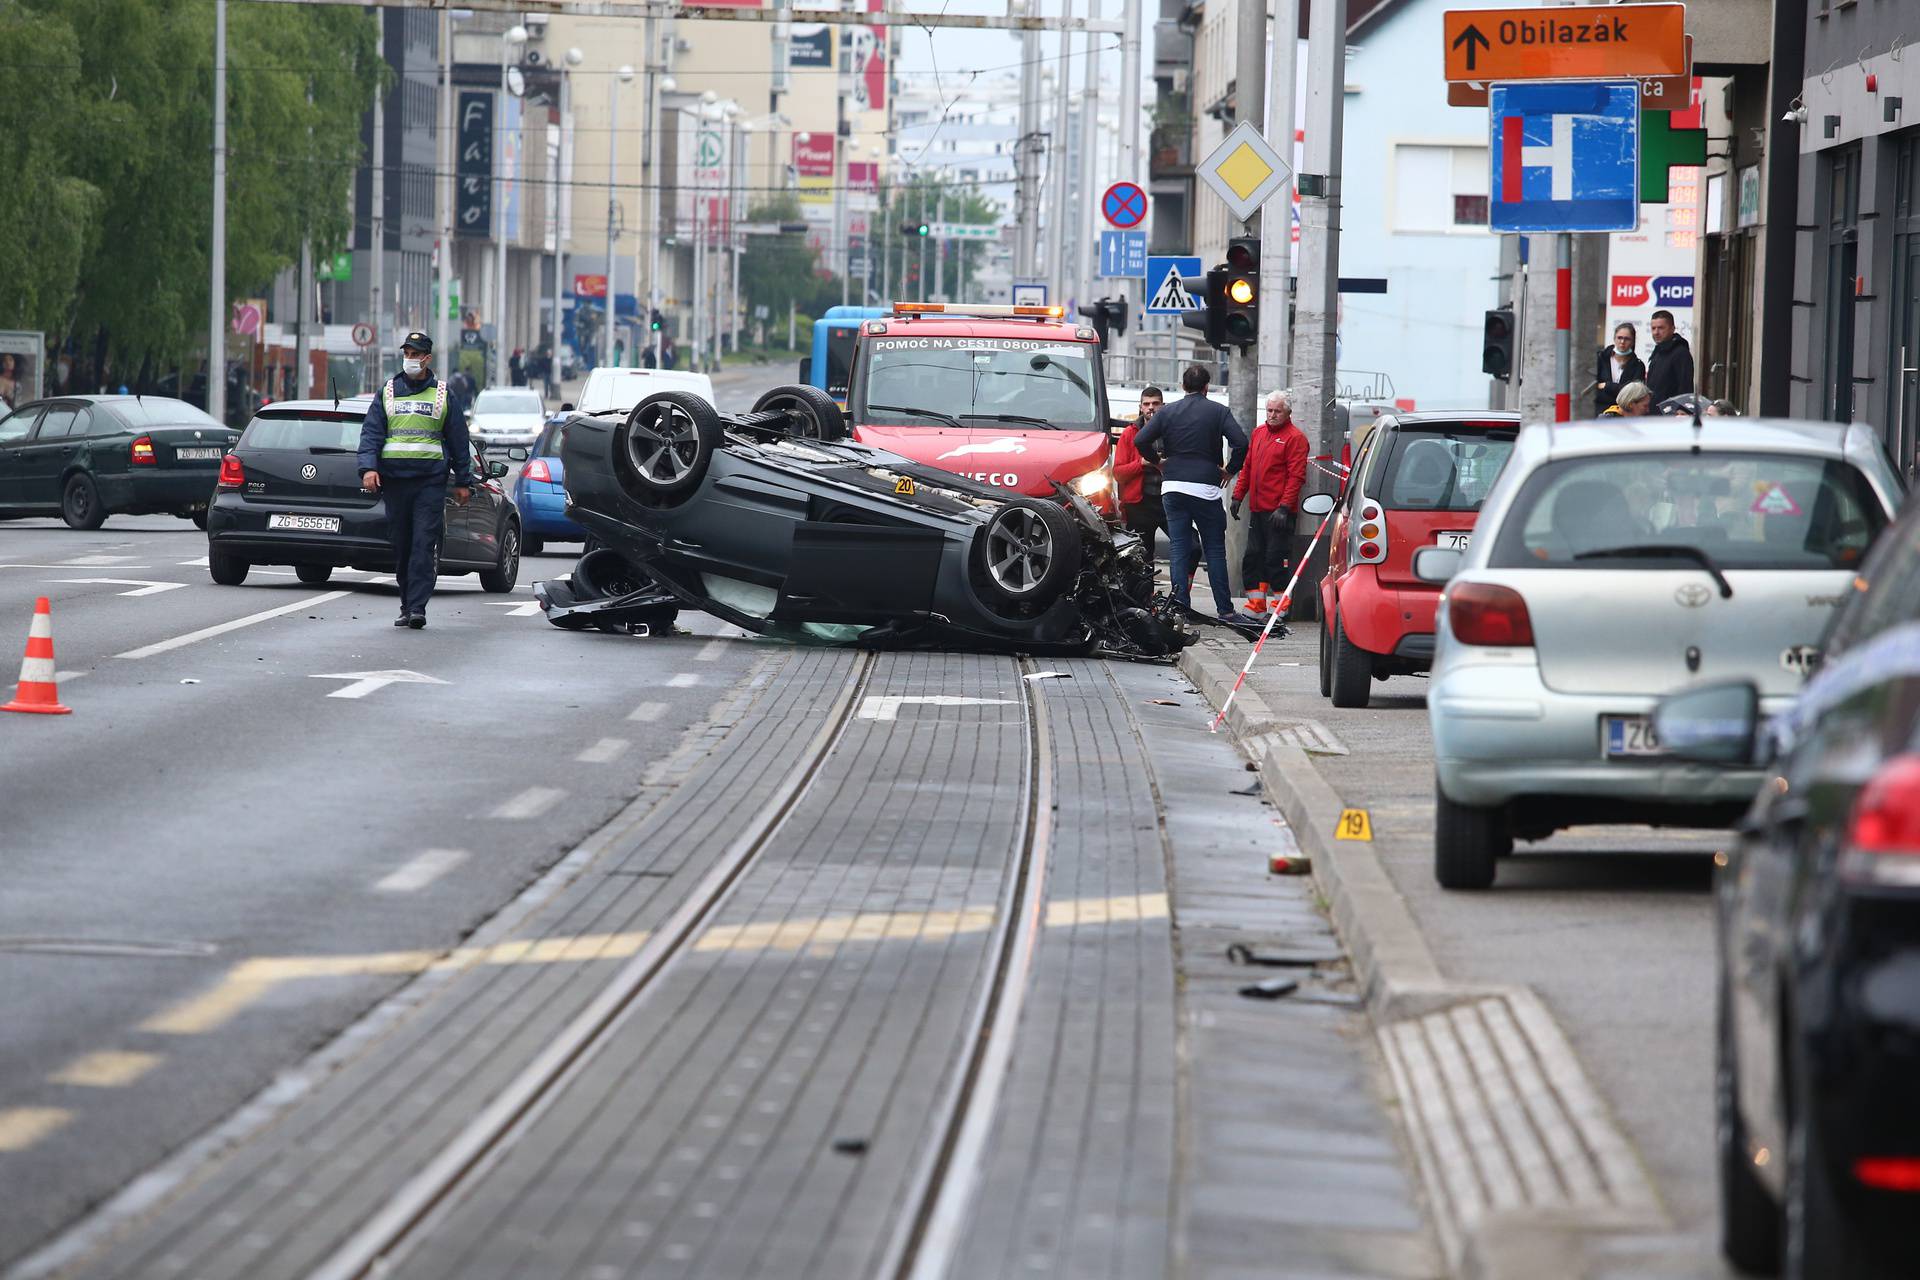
[1418, 480]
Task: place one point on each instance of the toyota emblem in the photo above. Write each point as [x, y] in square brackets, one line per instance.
[309, 471]
[1692, 595]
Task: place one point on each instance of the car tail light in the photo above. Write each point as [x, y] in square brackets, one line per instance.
[536, 469]
[1888, 1173]
[1883, 835]
[1484, 613]
[1369, 534]
[232, 474]
[142, 455]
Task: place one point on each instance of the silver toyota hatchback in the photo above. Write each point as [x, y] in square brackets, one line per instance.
[1614, 563]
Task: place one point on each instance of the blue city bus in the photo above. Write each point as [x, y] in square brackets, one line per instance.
[835, 334]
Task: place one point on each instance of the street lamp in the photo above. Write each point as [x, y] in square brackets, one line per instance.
[572, 59]
[511, 82]
[623, 76]
[662, 85]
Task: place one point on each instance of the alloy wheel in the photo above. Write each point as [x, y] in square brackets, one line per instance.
[1019, 551]
[662, 444]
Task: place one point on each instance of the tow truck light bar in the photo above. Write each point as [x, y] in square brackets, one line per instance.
[983, 310]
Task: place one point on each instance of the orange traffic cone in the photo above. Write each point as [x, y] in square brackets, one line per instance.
[38, 692]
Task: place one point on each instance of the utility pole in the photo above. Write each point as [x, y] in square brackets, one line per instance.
[1084, 220]
[842, 227]
[1057, 165]
[1026, 158]
[377, 258]
[623, 76]
[511, 40]
[1129, 138]
[562, 206]
[656, 59]
[217, 285]
[1276, 232]
[1243, 366]
[442, 311]
[1318, 308]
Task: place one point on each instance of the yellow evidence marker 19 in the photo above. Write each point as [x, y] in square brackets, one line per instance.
[1354, 825]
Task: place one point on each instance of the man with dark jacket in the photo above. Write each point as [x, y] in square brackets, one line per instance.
[415, 431]
[1139, 483]
[1270, 483]
[1670, 370]
[1185, 439]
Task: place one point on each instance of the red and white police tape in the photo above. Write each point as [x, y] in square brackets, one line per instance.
[1279, 611]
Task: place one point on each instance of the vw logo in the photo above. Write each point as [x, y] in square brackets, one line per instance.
[309, 471]
[1692, 595]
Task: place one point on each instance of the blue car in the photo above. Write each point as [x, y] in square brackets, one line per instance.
[540, 494]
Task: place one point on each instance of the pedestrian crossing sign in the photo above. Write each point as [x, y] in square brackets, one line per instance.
[1165, 294]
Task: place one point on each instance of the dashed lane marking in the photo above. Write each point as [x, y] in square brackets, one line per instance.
[107, 1069]
[530, 803]
[711, 650]
[251, 979]
[207, 633]
[685, 680]
[99, 560]
[142, 586]
[518, 609]
[647, 711]
[21, 1127]
[886, 706]
[420, 871]
[604, 751]
[61, 677]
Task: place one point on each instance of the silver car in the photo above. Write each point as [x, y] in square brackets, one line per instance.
[505, 416]
[1613, 563]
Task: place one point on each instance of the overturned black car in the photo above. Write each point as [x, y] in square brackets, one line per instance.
[774, 521]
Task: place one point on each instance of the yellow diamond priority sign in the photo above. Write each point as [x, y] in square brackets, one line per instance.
[1244, 171]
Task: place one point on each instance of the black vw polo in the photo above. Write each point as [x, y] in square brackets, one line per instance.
[290, 493]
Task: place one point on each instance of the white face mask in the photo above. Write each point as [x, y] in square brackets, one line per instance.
[413, 367]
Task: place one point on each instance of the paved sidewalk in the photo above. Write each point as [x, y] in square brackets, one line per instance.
[1605, 932]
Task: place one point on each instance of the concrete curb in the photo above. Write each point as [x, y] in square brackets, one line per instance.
[1522, 1164]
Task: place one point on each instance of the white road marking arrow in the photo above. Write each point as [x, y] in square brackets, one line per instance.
[887, 706]
[146, 588]
[365, 682]
[529, 609]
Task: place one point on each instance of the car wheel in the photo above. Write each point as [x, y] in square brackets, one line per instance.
[80, 503]
[534, 546]
[816, 415]
[605, 574]
[1027, 554]
[1350, 674]
[663, 449]
[199, 518]
[502, 577]
[1326, 655]
[313, 573]
[1467, 841]
[227, 570]
[1749, 1216]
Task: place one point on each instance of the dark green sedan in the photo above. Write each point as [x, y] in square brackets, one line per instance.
[89, 457]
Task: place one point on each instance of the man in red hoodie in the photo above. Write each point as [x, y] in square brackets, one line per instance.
[1139, 480]
[1275, 472]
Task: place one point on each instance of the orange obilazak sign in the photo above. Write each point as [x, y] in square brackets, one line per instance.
[1584, 42]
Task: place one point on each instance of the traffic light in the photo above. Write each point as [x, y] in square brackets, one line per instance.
[1210, 291]
[657, 321]
[1496, 344]
[915, 229]
[1240, 300]
[1109, 315]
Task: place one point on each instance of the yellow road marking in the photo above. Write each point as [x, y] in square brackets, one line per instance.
[21, 1127]
[108, 1069]
[249, 980]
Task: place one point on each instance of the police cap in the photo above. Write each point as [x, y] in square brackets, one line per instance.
[418, 341]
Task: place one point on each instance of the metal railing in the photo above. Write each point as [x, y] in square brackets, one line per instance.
[1162, 368]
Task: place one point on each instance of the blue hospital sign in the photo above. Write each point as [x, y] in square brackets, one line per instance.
[1566, 156]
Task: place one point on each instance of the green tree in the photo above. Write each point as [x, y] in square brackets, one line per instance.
[777, 271]
[923, 198]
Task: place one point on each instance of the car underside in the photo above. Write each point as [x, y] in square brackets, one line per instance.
[774, 521]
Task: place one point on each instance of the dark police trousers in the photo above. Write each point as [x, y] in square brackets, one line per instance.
[416, 514]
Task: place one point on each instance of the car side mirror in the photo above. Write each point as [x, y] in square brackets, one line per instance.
[496, 470]
[519, 453]
[1711, 723]
[1317, 504]
[1436, 564]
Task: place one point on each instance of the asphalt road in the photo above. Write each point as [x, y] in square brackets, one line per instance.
[216, 798]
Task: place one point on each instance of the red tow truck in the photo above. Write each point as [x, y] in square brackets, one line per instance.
[1012, 396]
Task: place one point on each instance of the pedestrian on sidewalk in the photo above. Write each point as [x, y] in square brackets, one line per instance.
[517, 368]
[1270, 484]
[1615, 367]
[1670, 371]
[414, 433]
[1635, 401]
[1186, 440]
[1139, 481]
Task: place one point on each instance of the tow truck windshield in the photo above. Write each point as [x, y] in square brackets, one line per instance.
[979, 380]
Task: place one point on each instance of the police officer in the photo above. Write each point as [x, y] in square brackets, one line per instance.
[412, 435]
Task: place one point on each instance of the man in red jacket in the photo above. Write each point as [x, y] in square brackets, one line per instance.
[1139, 480]
[1275, 472]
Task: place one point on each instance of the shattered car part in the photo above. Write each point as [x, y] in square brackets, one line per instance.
[776, 522]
